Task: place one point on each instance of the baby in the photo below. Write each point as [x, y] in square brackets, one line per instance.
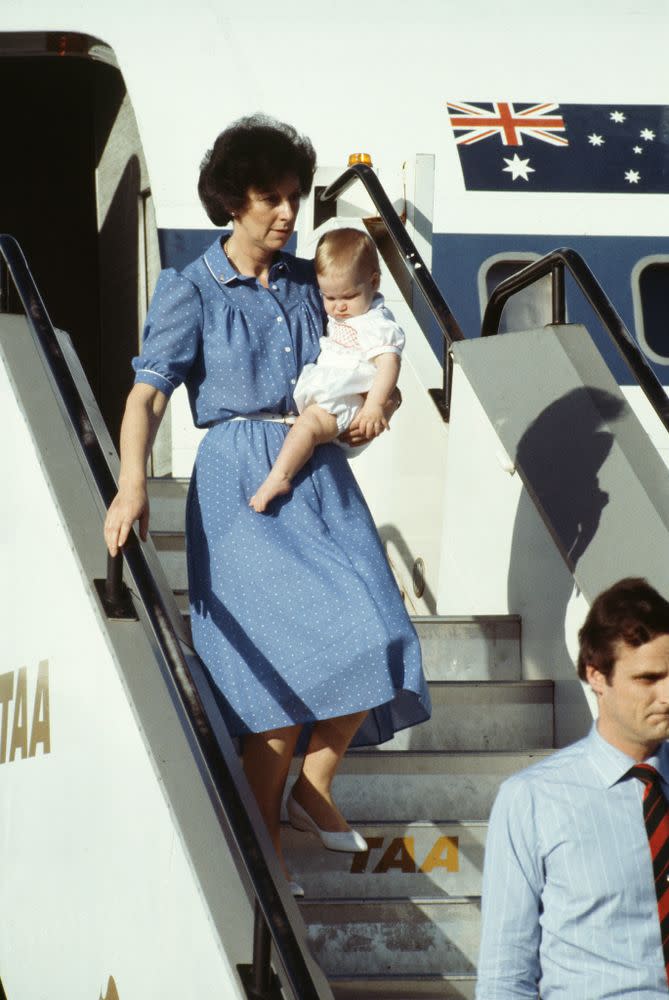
[360, 355]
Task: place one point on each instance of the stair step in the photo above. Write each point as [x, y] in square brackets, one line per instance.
[482, 715]
[405, 786]
[478, 648]
[454, 649]
[405, 860]
[167, 497]
[395, 936]
[171, 548]
[181, 598]
[403, 988]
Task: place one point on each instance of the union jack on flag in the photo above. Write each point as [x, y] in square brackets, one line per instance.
[538, 121]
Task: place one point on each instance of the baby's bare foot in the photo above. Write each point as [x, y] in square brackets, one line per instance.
[276, 485]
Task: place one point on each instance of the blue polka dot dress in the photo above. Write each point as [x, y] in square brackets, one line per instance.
[295, 613]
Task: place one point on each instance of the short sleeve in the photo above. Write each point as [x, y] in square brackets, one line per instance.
[172, 333]
[383, 334]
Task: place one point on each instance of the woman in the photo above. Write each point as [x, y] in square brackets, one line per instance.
[295, 613]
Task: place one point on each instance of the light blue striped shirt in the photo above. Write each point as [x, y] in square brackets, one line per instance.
[569, 905]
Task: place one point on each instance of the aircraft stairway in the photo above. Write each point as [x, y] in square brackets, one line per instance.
[403, 920]
[399, 922]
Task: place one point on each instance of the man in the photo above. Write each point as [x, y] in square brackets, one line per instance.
[570, 908]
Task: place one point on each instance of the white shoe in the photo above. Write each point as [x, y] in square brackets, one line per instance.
[295, 889]
[349, 841]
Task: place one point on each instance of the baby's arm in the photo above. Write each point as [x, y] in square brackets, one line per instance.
[371, 419]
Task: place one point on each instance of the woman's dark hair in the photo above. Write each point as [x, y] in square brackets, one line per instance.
[258, 152]
[631, 611]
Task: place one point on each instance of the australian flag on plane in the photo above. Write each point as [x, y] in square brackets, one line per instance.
[506, 146]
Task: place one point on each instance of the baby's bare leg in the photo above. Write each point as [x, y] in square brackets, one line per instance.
[313, 426]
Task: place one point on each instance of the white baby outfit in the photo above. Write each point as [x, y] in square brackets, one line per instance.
[344, 369]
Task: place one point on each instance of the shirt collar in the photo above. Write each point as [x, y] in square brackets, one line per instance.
[612, 764]
[222, 270]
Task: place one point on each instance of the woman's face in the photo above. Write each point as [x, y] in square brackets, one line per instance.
[267, 220]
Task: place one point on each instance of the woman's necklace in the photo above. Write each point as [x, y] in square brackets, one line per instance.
[227, 254]
[262, 277]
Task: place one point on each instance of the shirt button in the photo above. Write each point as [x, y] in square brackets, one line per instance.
[279, 319]
[287, 350]
[292, 381]
[275, 288]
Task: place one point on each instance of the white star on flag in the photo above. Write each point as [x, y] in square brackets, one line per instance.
[637, 149]
[617, 116]
[647, 133]
[632, 176]
[518, 168]
[595, 140]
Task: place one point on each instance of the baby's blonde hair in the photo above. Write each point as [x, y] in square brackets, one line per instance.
[340, 249]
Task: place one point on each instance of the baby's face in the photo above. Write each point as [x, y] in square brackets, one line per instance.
[347, 292]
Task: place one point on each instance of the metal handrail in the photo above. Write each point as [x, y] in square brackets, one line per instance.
[554, 264]
[413, 262]
[217, 754]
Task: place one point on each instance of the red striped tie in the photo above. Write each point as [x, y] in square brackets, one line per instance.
[656, 818]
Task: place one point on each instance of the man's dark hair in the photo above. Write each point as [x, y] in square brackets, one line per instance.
[257, 152]
[631, 611]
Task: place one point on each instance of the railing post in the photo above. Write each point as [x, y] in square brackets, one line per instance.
[113, 593]
[261, 970]
[114, 580]
[448, 380]
[259, 981]
[4, 299]
[559, 307]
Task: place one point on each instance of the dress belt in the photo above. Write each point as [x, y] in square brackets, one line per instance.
[273, 418]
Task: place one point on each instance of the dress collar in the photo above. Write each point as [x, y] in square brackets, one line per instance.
[612, 764]
[224, 273]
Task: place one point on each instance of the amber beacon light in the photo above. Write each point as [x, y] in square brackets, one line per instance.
[359, 158]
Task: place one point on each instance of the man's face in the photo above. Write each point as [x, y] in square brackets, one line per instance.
[634, 700]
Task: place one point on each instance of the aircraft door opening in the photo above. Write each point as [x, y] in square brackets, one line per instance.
[76, 196]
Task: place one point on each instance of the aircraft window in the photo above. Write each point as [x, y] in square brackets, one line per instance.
[527, 309]
[650, 293]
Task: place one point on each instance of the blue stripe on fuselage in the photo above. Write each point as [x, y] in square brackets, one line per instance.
[457, 259]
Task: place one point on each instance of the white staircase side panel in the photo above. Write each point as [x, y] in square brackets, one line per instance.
[591, 469]
[95, 875]
[648, 419]
[498, 558]
[402, 475]
[480, 503]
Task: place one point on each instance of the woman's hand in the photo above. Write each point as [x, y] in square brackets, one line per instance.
[370, 421]
[130, 504]
[357, 435]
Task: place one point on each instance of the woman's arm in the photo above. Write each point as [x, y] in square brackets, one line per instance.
[143, 412]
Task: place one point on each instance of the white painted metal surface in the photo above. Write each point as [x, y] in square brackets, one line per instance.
[411, 62]
[96, 881]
